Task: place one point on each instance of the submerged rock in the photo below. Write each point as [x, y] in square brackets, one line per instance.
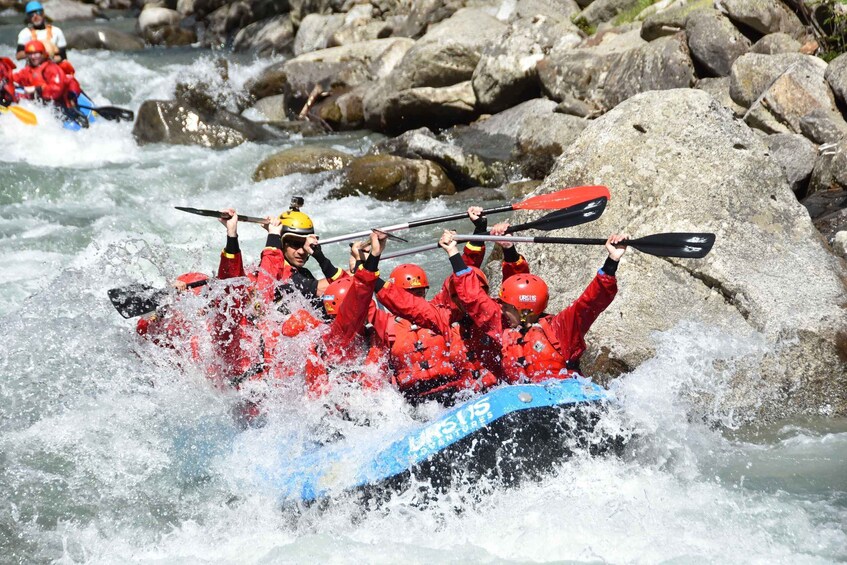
[678, 161]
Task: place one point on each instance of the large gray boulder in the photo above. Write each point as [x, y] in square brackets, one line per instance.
[600, 11]
[830, 172]
[774, 43]
[836, 76]
[334, 69]
[450, 50]
[781, 90]
[102, 37]
[464, 169]
[64, 10]
[176, 123]
[420, 107]
[305, 159]
[714, 42]
[719, 89]
[580, 73]
[558, 10]
[506, 74]
[388, 178]
[679, 161]
[153, 17]
[796, 156]
[670, 21]
[528, 137]
[660, 65]
[266, 37]
[315, 31]
[764, 16]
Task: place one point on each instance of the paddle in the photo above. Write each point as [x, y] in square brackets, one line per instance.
[555, 200]
[111, 112]
[22, 114]
[222, 215]
[139, 299]
[567, 218]
[683, 245]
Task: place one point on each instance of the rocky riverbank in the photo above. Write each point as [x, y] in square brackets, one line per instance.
[724, 116]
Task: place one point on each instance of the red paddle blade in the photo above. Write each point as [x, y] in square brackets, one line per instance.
[563, 198]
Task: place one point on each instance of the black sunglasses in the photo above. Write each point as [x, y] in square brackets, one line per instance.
[37, 12]
[294, 243]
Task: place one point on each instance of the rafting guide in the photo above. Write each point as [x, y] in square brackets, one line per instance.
[38, 29]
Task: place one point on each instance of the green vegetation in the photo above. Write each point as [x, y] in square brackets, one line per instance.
[829, 23]
[628, 16]
[584, 26]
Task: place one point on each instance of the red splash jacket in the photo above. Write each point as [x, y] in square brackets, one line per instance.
[552, 347]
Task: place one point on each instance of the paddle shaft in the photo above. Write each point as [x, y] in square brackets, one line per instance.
[415, 224]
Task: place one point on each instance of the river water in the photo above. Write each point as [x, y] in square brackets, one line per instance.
[112, 453]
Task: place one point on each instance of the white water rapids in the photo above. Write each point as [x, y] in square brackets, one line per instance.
[111, 453]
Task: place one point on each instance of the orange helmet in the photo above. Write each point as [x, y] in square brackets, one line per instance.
[189, 278]
[409, 276]
[35, 46]
[525, 292]
[335, 293]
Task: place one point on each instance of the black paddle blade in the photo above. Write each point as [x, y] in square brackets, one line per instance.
[201, 212]
[113, 113]
[136, 299]
[566, 217]
[683, 245]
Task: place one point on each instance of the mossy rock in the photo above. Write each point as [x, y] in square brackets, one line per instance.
[387, 178]
[307, 159]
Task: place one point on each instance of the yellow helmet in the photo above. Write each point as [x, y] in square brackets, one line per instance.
[296, 223]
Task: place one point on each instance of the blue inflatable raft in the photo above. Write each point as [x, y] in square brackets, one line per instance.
[509, 434]
[85, 105]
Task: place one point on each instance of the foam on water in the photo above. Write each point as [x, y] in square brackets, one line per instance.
[113, 450]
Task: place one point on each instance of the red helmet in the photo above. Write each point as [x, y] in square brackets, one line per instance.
[335, 293]
[67, 67]
[189, 278]
[525, 292]
[35, 46]
[409, 276]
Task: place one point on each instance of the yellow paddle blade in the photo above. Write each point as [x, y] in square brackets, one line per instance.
[22, 114]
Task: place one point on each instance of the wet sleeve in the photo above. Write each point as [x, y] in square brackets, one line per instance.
[485, 312]
[414, 308]
[572, 323]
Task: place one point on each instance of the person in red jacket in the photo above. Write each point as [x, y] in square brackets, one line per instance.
[7, 83]
[536, 346]
[42, 79]
[346, 347]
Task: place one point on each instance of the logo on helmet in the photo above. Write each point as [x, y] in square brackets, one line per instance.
[527, 298]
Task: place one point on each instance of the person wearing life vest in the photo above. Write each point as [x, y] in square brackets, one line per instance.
[169, 328]
[346, 348]
[74, 89]
[7, 83]
[289, 246]
[38, 29]
[41, 78]
[474, 355]
[536, 346]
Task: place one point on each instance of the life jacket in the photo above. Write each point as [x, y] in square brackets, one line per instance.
[362, 362]
[419, 355]
[534, 355]
[49, 77]
[34, 33]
